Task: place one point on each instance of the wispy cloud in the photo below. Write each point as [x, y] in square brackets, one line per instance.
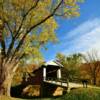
[86, 36]
[83, 28]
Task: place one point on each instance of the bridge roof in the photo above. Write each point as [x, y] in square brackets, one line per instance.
[53, 63]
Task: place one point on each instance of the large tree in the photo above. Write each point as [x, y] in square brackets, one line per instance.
[25, 26]
[92, 65]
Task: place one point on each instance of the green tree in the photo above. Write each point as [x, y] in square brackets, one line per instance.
[25, 27]
[71, 65]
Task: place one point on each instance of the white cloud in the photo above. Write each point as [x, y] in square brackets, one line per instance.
[85, 27]
[85, 37]
[90, 39]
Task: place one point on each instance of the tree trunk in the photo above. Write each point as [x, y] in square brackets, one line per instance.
[2, 79]
[6, 76]
[94, 80]
[5, 86]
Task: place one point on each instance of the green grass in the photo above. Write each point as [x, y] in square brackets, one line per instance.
[76, 94]
[82, 94]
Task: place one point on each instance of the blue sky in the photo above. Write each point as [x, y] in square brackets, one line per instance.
[78, 34]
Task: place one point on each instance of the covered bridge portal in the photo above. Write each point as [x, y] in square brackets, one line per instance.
[52, 71]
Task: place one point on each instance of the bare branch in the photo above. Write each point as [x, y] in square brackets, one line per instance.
[93, 64]
[9, 28]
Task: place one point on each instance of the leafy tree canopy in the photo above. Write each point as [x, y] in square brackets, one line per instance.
[29, 24]
[71, 65]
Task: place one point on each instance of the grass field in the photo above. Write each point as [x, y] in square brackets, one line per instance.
[82, 94]
[76, 94]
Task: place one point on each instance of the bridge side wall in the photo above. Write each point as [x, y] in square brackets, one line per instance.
[51, 90]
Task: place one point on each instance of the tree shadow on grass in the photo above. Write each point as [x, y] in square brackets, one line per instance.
[16, 91]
